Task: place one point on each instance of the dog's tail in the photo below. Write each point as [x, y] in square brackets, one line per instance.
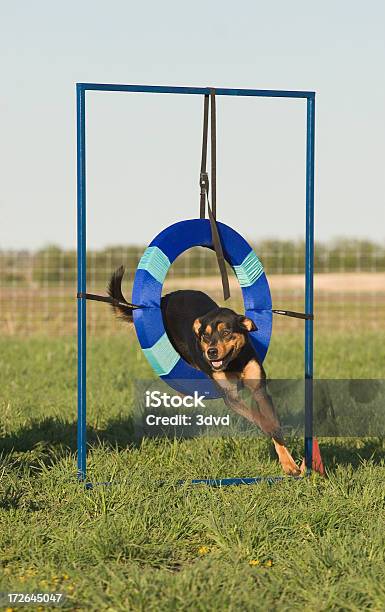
[114, 290]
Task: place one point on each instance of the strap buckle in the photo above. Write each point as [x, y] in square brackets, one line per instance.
[204, 183]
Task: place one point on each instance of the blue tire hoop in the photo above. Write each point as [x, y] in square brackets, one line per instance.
[147, 291]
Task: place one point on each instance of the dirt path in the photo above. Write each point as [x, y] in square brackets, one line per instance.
[349, 282]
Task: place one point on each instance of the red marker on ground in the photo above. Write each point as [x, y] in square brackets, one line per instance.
[317, 464]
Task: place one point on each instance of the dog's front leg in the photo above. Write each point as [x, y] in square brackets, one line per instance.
[264, 414]
[228, 384]
[261, 412]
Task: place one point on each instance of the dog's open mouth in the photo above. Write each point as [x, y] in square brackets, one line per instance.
[220, 364]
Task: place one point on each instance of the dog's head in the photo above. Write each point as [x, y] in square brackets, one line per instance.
[222, 333]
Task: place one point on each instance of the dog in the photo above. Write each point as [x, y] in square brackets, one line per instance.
[215, 340]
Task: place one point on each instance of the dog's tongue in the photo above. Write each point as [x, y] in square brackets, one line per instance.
[217, 364]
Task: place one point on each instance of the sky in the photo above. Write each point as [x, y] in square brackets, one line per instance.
[143, 151]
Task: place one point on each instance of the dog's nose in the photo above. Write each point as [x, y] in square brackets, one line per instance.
[212, 353]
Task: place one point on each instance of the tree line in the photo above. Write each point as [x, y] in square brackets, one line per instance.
[53, 265]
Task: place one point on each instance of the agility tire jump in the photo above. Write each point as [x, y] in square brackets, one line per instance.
[147, 291]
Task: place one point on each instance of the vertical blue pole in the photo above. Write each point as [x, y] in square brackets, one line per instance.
[81, 256]
[309, 281]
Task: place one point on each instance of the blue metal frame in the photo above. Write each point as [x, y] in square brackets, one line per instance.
[82, 270]
[81, 89]
[309, 282]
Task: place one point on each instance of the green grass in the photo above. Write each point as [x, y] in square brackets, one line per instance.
[317, 544]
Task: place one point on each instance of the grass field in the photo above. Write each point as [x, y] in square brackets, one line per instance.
[312, 545]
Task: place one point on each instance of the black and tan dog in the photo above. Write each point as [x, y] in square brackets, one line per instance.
[215, 341]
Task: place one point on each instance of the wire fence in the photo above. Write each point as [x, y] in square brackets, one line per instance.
[38, 289]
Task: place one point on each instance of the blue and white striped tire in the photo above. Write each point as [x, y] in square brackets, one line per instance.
[147, 291]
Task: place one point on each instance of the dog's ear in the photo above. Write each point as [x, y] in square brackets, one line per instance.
[197, 326]
[247, 324]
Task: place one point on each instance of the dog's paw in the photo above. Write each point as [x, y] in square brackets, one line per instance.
[303, 467]
[291, 469]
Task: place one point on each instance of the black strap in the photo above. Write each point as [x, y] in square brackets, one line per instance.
[115, 302]
[297, 315]
[213, 154]
[104, 298]
[204, 179]
[204, 185]
[219, 253]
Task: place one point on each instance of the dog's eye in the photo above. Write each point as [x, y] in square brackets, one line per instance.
[226, 332]
[206, 337]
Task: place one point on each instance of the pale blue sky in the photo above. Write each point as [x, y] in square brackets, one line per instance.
[144, 151]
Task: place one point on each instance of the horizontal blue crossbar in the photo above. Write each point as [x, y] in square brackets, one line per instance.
[220, 91]
[226, 482]
[211, 482]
